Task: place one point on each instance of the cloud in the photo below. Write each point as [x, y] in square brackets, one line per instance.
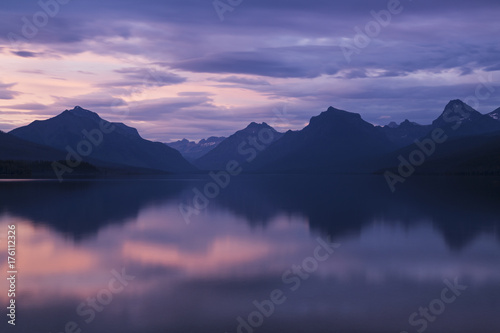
[287, 62]
[492, 68]
[28, 106]
[31, 71]
[243, 80]
[94, 101]
[156, 109]
[142, 78]
[25, 54]
[6, 93]
[86, 73]
[355, 74]
[195, 93]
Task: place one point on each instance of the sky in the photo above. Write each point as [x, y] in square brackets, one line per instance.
[195, 68]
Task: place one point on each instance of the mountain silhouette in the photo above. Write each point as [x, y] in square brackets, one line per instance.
[101, 142]
[459, 119]
[242, 146]
[334, 141]
[470, 146]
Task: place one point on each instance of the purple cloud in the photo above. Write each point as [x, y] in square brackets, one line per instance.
[243, 81]
[6, 93]
[26, 54]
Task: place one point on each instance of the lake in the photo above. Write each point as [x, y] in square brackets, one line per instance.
[289, 253]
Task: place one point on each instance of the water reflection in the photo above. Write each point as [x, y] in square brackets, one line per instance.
[396, 249]
[79, 208]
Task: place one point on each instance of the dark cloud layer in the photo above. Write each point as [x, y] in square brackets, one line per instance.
[25, 54]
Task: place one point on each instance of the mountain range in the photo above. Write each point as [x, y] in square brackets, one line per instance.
[405, 133]
[82, 134]
[471, 145]
[191, 150]
[336, 141]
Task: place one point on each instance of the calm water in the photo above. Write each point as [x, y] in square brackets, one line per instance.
[392, 255]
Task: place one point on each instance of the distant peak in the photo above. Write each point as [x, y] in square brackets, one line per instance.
[332, 109]
[406, 122]
[256, 125]
[334, 116]
[338, 113]
[81, 112]
[456, 108]
[214, 138]
[79, 109]
[456, 103]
